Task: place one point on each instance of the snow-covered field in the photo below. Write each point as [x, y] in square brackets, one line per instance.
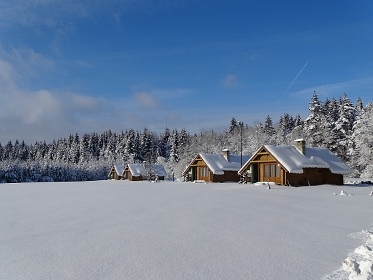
[141, 230]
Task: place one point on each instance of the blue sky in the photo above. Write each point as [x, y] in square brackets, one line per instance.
[71, 66]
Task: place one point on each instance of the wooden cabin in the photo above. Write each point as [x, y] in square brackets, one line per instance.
[140, 172]
[214, 167]
[295, 166]
[116, 172]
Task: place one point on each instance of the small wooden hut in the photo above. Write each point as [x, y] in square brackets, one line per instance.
[139, 172]
[214, 167]
[116, 172]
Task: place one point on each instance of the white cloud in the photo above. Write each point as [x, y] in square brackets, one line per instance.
[40, 114]
[22, 64]
[7, 73]
[35, 113]
[46, 115]
[29, 63]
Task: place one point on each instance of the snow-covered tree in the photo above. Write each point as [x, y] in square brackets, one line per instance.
[130, 144]
[315, 126]
[342, 130]
[298, 130]
[361, 152]
[174, 146]
[74, 148]
[268, 126]
[359, 107]
[84, 151]
[233, 125]
[164, 144]
[146, 146]
[286, 125]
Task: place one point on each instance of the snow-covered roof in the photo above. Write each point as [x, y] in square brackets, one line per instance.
[294, 161]
[218, 163]
[119, 169]
[336, 165]
[137, 169]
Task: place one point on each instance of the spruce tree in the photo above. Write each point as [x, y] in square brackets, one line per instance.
[315, 126]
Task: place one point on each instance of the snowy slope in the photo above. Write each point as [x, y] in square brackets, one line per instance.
[141, 230]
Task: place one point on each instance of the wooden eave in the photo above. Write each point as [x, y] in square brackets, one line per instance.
[193, 163]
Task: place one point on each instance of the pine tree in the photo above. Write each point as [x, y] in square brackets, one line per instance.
[8, 150]
[268, 126]
[84, 151]
[233, 125]
[164, 145]
[315, 106]
[74, 147]
[183, 139]
[315, 127]
[93, 146]
[343, 127]
[174, 146]
[130, 145]
[298, 129]
[137, 152]
[146, 146]
[359, 106]
[361, 152]
[269, 132]
[121, 148]
[285, 126]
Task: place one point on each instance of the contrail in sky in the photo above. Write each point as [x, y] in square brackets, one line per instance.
[296, 77]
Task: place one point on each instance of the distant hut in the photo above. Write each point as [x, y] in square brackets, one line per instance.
[139, 172]
[214, 167]
[116, 172]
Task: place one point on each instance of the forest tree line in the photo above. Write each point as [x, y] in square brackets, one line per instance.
[338, 124]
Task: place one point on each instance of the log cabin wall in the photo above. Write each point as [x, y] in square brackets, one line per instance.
[314, 176]
[228, 176]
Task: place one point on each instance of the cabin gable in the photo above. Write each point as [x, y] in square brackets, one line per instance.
[116, 172]
[127, 175]
[198, 170]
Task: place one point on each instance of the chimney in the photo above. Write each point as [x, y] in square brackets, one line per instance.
[226, 154]
[300, 144]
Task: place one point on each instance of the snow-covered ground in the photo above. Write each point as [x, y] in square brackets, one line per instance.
[141, 230]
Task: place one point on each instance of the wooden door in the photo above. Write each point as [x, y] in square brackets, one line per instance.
[270, 172]
[203, 173]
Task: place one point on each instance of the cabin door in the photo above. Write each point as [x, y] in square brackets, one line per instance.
[203, 173]
[270, 172]
[254, 172]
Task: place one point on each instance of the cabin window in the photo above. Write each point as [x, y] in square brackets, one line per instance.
[278, 170]
[203, 171]
[272, 170]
